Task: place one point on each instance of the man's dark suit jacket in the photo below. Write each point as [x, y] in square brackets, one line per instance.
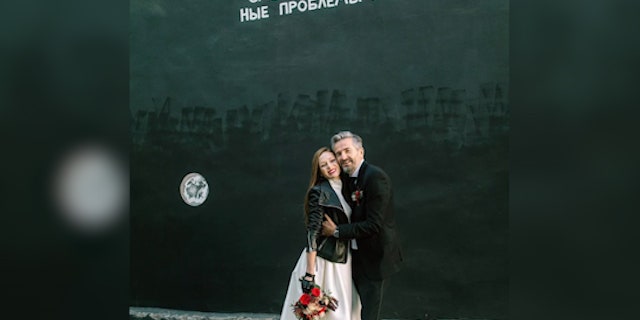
[373, 222]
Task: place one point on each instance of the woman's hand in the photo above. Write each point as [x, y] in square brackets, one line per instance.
[307, 282]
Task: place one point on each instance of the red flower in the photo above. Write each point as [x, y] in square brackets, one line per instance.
[357, 196]
[305, 299]
[314, 305]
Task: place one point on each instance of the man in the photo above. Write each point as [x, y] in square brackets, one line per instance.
[376, 251]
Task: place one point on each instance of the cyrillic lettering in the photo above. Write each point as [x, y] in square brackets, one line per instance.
[264, 12]
[285, 6]
[247, 14]
[292, 5]
[244, 14]
[313, 5]
[300, 5]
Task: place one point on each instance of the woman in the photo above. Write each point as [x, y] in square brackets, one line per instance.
[325, 261]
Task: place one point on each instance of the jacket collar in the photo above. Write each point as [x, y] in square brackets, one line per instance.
[328, 197]
[357, 173]
[362, 170]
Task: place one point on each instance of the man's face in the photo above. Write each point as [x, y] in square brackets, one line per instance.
[348, 155]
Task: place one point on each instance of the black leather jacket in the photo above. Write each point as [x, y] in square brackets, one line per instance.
[323, 200]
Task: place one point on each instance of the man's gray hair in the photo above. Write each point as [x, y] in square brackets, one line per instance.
[357, 141]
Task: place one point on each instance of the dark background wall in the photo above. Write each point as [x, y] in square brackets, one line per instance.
[246, 105]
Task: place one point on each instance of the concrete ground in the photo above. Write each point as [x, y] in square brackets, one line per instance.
[141, 313]
[169, 314]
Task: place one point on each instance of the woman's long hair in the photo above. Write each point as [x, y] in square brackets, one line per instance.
[316, 177]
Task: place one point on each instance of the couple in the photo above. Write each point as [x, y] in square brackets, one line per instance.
[351, 235]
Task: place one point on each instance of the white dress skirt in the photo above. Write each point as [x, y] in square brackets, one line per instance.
[335, 279]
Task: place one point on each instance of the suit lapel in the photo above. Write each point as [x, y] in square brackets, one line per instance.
[361, 173]
[346, 187]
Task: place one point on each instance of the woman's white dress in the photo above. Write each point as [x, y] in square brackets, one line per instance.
[334, 278]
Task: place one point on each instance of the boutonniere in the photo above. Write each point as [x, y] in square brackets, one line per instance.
[357, 196]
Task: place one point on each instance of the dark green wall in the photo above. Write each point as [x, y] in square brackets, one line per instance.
[246, 105]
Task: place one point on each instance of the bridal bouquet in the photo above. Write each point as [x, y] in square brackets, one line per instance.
[314, 305]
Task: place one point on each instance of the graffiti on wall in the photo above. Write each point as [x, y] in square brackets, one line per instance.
[434, 114]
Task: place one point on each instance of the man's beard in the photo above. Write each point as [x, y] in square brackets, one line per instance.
[348, 170]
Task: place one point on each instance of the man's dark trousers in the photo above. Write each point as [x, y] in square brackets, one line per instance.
[370, 291]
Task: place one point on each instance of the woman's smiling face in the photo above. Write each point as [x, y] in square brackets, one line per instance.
[329, 167]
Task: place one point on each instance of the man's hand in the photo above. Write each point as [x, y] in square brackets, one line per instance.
[328, 227]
